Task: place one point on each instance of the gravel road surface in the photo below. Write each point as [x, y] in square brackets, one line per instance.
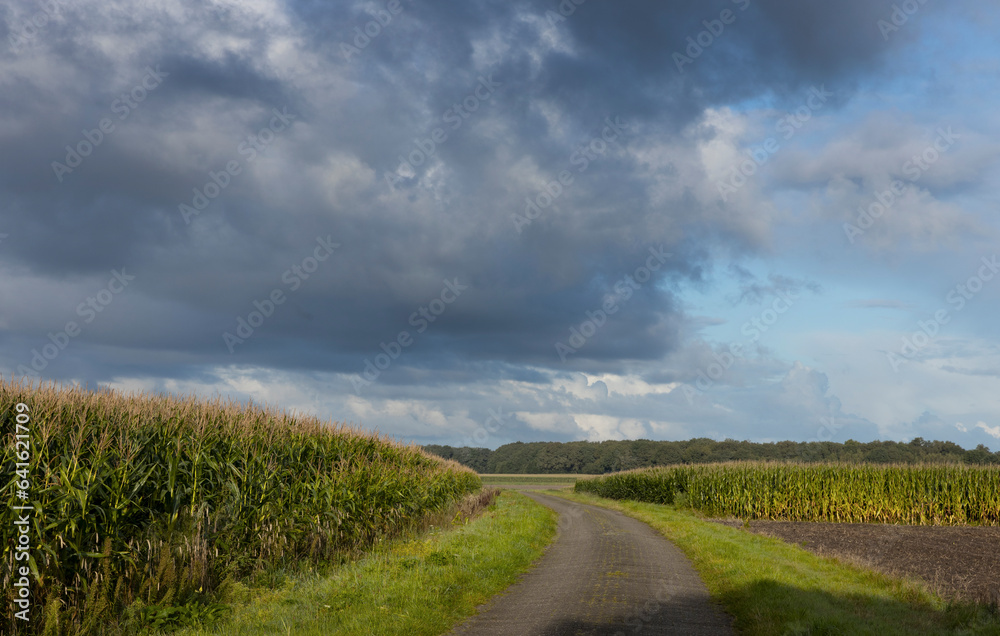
[606, 574]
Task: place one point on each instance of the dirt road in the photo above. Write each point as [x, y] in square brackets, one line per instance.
[605, 575]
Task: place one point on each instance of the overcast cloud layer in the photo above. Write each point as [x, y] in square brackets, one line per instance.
[474, 223]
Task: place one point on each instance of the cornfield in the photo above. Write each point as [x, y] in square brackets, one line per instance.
[853, 493]
[151, 500]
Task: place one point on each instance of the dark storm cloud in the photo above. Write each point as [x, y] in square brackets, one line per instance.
[623, 57]
[233, 78]
[324, 174]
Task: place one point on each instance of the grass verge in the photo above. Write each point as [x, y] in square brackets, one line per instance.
[421, 585]
[772, 587]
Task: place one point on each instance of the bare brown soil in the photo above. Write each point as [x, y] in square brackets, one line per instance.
[960, 562]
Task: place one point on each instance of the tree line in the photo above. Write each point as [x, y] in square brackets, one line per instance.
[595, 458]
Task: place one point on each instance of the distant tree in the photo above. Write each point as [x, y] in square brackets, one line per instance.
[614, 455]
[980, 455]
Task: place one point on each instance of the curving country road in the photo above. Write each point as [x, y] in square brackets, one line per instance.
[606, 574]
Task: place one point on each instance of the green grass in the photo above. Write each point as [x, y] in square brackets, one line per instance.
[529, 480]
[412, 587]
[772, 587]
[143, 504]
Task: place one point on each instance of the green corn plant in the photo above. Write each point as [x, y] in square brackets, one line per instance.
[167, 496]
[911, 494]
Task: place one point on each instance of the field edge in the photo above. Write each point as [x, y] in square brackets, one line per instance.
[422, 585]
[772, 587]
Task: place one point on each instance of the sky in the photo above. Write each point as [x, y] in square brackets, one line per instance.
[473, 223]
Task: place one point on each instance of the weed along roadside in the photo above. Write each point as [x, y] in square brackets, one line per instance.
[421, 584]
[153, 512]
